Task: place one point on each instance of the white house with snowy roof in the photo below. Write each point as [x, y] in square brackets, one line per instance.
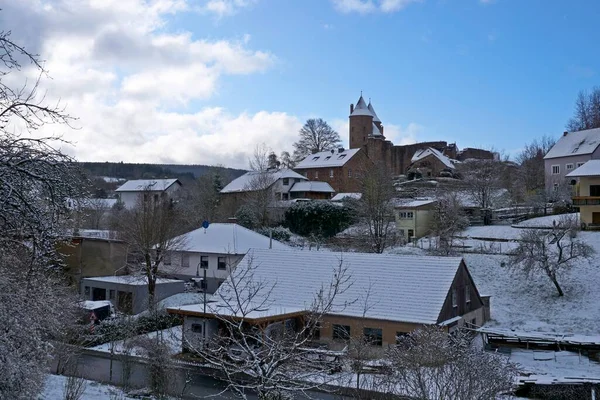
[131, 191]
[286, 184]
[401, 293]
[571, 151]
[213, 251]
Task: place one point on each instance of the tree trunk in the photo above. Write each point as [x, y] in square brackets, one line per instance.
[558, 288]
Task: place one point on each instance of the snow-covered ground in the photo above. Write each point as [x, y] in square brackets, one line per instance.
[55, 388]
[544, 222]
[171, 336]
[555, 366]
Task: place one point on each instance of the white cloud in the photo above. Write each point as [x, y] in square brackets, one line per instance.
[370, 6]
[224, 8]
[400, 136]
[130, 81]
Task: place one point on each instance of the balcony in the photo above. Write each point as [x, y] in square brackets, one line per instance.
[586, 201]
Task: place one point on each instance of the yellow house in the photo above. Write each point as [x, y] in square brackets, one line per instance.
[587, 196]
[413, 217]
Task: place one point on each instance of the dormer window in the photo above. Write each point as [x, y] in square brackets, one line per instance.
[341, 156]
[315, 158]
[327, 158]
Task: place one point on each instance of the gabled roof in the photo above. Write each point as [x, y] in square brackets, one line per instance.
[430, 151]
[327, 159]
[375, 117]
[223, 238]
[312, 186]
[590, 168]
[575, 144]
[376, 131]
[409, 289]
[413, 203]
[246, 182]
[361, 108]
[141, 185]
[342, 196]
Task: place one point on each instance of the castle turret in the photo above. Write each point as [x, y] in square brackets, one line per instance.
[361, 123]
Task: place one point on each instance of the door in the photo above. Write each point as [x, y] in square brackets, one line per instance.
[596, 218]
[124, 301]
[98, 294]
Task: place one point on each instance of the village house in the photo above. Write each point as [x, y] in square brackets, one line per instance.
[339, 168]
[152, 189]
[571, 151]
[587, 193]
[404, 293]
[213, 251]
[429, 162]
[413, 217]
[128, 293]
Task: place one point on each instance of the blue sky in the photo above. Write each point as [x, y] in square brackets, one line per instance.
[494, 73]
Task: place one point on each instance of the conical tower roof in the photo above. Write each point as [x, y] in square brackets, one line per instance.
[361, 108]
[375, 117]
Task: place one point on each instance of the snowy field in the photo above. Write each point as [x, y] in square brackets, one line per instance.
[55, 388]
[171, 336]
[544, 222]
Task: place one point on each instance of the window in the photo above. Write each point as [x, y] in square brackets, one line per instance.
[555, 187]
[156, 198]
[222, 263]
[405, 215]
[454, 298]
[86, 291]
[111, 294]
[579, 164]
[555, 169]
[569, 166]
[204, 262]
[373, 336]
[400, 336]
[284, 196]
[167, 259]
[286, 181]
[595, 190]
[185, 260]
[411, 233]
[341, 156]
[341, 332]
[315, 158]
[327, 158]
[145, 196]
[197, 328]
[467, 294]
[331, 173]
[297, 180]
[316, 174]
[349, 172]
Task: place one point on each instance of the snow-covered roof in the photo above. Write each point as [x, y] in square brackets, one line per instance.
[248, 181]
[92, 305]
[430, 151]
[401, 288]
[375, 117]
[224, 238]
[412, 203]
[361, 108]
[262, 312]
[327, 159]
[128, 280]
[575, 144]
[312, 186]
[140, 185]
[590, 168]
[342, 196]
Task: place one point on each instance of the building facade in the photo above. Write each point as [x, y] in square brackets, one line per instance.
[587, 193]
[413, 217]
[132, 192]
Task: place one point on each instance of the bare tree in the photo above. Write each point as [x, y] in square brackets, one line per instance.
[95, 212]
[429, 364]
[550, 252]
[273, 360]
[315, 136]
[375, 208]
[201, 200]
[152, 229]
[35, 181]
[74, 388]
[286, 160]
[531, 160]
[587, 111]
[481, 179]
[260, 158]
[448, 220]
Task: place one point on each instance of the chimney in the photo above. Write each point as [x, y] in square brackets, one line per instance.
[232, 220]
[351, 108]
[565, 133]
[340, 150]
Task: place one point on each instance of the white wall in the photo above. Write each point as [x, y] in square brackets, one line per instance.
[130, 199]
[176, 267]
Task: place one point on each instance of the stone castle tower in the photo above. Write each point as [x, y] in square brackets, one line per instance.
[364, 124]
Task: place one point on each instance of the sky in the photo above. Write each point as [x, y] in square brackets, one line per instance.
[205, 81]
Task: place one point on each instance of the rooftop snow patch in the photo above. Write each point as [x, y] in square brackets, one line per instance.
[412, 203]
[343, 196]
[141, 185]
[128, 280]
[575, 144]
[223, 238]
[249, 181]
[408, 289]
[430, 151]
[312, 186]
[327, 159]
[361, 108]
[590, 168]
